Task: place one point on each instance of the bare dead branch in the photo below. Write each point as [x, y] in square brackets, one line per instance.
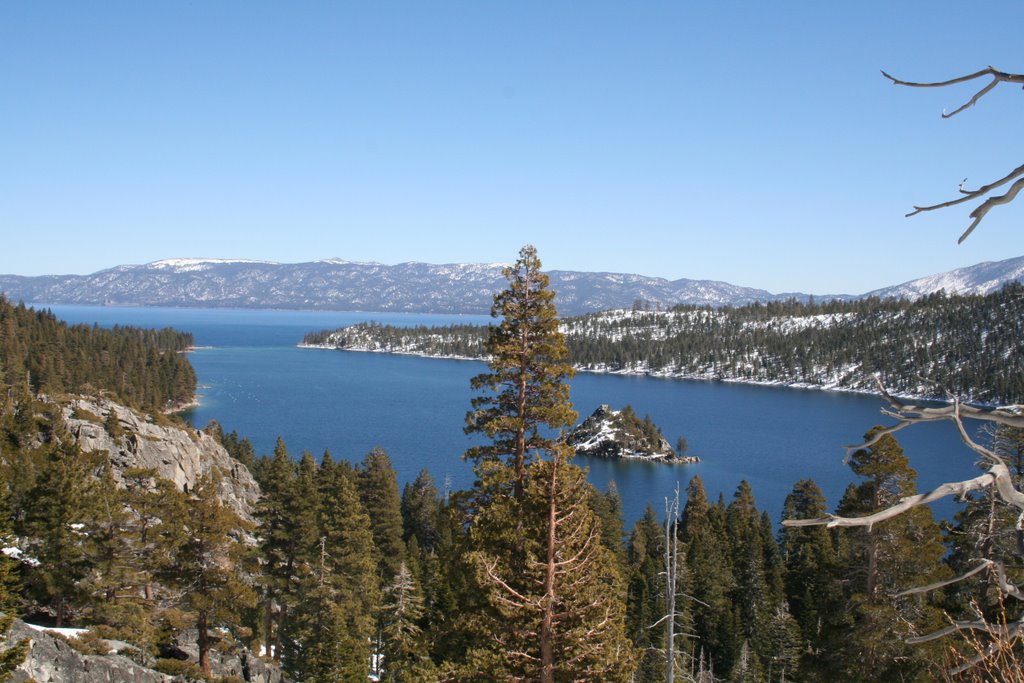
[997, 78]
[983, 209]
[968, 195]
[958, 488]
[997, 630]
[1011, 416]
[985, 564]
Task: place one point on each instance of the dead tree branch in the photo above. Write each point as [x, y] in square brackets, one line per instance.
[997, 476]
[997, 78]
[958, 488]
[967, 195]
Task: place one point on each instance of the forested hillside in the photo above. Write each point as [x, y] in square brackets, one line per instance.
[972, 346]
[335, 574]
[142, 368]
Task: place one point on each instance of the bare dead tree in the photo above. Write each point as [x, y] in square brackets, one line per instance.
[984, 191]
[997, 477]
[672, 592]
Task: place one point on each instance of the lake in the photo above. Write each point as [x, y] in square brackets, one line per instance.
[255, 381]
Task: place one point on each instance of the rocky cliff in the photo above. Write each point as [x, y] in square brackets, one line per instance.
[53, 659]
[178, 453]
[611, 433]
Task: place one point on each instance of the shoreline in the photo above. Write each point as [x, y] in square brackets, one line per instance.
[182, 406]
[661, 374]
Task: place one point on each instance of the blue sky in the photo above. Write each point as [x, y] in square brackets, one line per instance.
[754, 143]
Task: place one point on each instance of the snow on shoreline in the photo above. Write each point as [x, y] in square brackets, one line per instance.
[657, 374]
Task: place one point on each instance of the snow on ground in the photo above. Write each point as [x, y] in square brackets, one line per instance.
[66, 632]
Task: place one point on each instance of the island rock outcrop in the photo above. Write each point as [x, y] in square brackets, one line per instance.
[619, 434]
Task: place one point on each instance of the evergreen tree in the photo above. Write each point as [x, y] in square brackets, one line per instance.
[645, 603]
[607, 506]
[753, 602]
[988, 529]
[206, 565]
[812, 581]
[420, 509]
[378, 490]
[58, 508]
[404, 649]
[703, 531]
[525, 389]
[747, 668]
[11, 654]
[899, 553]
[320, 646]
[558, 608]
[782, 645]
[347, 582]
[554, 597]
[278, 548]
[116, 558]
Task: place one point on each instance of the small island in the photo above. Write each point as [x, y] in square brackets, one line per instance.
[621, 434]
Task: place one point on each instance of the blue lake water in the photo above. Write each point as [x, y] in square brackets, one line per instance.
[255, 381]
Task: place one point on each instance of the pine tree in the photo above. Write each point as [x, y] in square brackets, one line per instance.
[753, 602]
[277, 543]
[704, 533]
[117, 574]
[321, 646]
[555, 608]
[404, 649]
[607, 506]
[812, 580]
[645, 603]
[206, 565]
[558, 607]
[58, 508]
[11, 654]
[525, 389]
[346, 595]
[899, 553]
[987, 529]
[420, 509]
[782, 645]
[378, 490]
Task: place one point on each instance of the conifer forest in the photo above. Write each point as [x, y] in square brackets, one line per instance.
[335, 574]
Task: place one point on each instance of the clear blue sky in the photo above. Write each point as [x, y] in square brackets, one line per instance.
[749, 142]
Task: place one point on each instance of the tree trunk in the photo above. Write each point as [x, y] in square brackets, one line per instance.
[283, 614]
[547, 650]
[268, 625]
[204, 644]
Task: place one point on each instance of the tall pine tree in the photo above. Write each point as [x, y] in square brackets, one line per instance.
[554, 596]
[524, 391]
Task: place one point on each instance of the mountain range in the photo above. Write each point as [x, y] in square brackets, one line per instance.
[335, 284]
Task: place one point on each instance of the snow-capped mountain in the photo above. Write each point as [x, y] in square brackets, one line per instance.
[982, 278]
[337, 284]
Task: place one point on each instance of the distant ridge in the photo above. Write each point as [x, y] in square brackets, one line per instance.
[982, 278]
[336, 284]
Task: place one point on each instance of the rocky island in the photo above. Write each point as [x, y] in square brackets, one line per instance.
[621, 434]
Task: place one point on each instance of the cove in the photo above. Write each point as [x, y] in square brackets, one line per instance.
[255, 381]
